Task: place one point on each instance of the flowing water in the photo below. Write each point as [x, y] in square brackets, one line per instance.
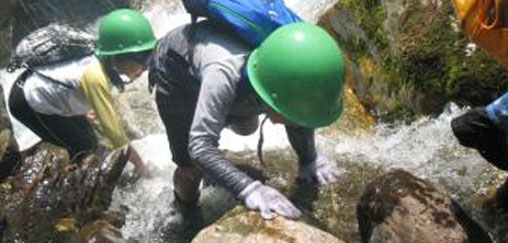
[425, 147]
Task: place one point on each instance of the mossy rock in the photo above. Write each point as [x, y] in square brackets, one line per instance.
[410, 58]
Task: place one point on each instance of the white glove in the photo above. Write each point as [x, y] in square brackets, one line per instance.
[268, 201]
[321, 170]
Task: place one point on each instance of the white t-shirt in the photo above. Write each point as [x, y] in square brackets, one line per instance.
[50, 98]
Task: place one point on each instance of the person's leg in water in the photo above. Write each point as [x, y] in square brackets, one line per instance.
[186, 181]
[177, 122]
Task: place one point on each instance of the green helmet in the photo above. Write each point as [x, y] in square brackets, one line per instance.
[123, 31]
[299, 72]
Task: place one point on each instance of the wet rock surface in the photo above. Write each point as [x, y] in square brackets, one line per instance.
[9, 153]
[29, 15]
[18, 18]
[10, 156]
[48, 187]
[398, 207]
[241, 226]
[5, 33]
[331, 208]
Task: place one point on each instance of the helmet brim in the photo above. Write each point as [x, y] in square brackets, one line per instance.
[145, 47]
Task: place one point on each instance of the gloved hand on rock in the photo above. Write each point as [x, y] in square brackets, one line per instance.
[321, 170]
[268, 201]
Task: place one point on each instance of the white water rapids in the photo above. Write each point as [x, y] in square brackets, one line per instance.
[426, 148]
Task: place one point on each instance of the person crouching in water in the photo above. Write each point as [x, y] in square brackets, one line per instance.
[485, 128]
[53, 101]
[206, 80]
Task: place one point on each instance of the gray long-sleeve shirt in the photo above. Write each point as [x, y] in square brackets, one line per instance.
[215, 57]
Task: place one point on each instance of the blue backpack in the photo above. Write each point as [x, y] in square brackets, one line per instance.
[253, 20]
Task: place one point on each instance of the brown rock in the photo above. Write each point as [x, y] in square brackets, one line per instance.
[101, 231]
[49, 188]
[9, 154]
[398, 207]
[5, 35]
[249, 227]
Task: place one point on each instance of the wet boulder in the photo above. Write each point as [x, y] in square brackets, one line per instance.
[9, 150]
[241, 226]
[10, 156]
[28, 16]
[49, 187]
[5, 33]
[399, 207]
[101, 231]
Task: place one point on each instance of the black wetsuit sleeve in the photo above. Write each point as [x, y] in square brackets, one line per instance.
[302, 141]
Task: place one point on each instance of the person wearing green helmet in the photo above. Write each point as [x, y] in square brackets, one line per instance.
[55, 101]
[205, 80]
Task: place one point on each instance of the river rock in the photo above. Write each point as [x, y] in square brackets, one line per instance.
[101, 231]
[10, 156]
[9, 150]
[410, 57]
[248, 227]
[5, 33]
[29, 15]
[331, 208]
[49, 187]
[18, 18]
[399, 207]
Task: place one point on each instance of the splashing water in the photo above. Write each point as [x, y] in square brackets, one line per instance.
[425, 147]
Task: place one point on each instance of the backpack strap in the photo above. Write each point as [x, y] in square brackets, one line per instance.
[28, 67]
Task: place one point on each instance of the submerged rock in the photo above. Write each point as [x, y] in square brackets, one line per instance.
[248, 227]
[49, 187]
[398, 207]
[101, 231]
